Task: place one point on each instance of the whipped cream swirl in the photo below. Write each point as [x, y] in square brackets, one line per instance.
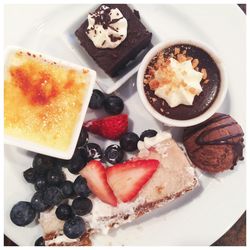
[178, 82]
[149, 142]
[107, 27]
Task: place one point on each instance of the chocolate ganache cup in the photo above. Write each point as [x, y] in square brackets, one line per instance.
[181, 83]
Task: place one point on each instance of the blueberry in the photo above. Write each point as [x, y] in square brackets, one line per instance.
[83, 138]
[67, 189]
[82, 206]
[40, 242]
[113, 105]
[94, 151]
[97, 98]
[52, 196]
[74, 227]
[55, 176]
[40, 183]
[128, 141]
[30, 175]
[42, 163]
[38, 203]
[114, 154]
[62, 163]
[148, 133]
[77, 162]
[22, 213]
[80, 187]
[64, 212]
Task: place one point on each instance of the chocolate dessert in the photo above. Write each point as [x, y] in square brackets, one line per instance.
[216, 144]
[170, 94]
[113, 36]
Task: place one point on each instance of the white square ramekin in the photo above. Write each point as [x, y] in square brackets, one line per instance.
[38, 148]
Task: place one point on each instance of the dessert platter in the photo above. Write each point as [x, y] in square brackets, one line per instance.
[98, 155]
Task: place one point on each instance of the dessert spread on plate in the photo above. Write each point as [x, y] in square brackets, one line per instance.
[182, 81]
[98, 189]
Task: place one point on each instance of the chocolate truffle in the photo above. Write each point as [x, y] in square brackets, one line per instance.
[216, 144]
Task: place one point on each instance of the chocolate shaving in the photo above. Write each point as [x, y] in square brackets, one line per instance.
[114, 38]
[103, 18]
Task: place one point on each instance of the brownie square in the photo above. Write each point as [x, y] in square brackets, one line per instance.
[114, 60]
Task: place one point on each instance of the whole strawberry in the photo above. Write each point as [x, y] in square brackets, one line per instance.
[110, 127]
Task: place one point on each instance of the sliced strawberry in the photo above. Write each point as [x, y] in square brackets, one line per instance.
[110, 127]
[95, 174]
[127, 179]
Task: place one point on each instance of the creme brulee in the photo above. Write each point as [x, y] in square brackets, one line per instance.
[42, 99]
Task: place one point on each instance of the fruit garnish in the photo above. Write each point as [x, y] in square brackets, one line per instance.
[22, 213]
[80, 187]
[74, 227]
[113, 154]
[148, 133]
[95, 174]
[113, 105]
[93, 151]
[83, 138]
[64, 212]
[128, 141]
[110, 127]
[82, 206]
[40, 242]
[97, 99]
[126, 179]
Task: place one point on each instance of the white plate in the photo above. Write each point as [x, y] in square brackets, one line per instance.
[200, 217]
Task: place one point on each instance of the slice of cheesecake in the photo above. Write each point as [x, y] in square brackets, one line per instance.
[174, 177]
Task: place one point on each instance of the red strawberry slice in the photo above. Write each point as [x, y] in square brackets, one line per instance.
[95, 174]
[127, 179]
[110, 127]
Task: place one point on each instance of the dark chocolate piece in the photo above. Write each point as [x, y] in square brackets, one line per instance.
[114, 60]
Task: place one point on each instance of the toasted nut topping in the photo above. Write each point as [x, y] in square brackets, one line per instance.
[154, 84]
[195, 63]
[181, 58]
[206, 81]
[176, 50]
[85, 71]
[192, 90]
[204, 72]
[184, 52]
